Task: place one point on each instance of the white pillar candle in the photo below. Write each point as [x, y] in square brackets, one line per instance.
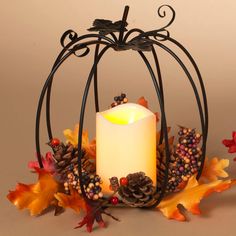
[125, 143]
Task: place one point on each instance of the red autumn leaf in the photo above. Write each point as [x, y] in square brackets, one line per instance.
[94, 213]
[48, 163]
[231, 143]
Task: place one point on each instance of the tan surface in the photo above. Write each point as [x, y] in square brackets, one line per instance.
[30, 32]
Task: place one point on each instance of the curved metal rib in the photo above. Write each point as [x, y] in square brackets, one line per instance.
[95, 81]
[74, 39]
[204, 96]
[203, 125]
[158, 69]
[165, 131]
[82, 112]
[40, 103]
[48, 85]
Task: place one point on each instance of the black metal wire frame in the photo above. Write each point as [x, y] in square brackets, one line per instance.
[80, 46]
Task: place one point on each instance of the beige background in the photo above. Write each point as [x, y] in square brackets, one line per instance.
[29, 42]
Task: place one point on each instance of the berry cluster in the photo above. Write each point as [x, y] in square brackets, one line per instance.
[91, 184]
[186, 159]
[118, 100]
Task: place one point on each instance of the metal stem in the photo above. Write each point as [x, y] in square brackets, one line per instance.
[122, 30]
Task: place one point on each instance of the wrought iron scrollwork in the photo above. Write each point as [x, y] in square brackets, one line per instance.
[163, 31]
[106, 35]
[69, 35]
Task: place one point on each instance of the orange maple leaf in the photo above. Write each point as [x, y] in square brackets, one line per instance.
[214, 168]
[72, 137]
[190, 197]
[35, 197]
[73, 201]
[143, 102]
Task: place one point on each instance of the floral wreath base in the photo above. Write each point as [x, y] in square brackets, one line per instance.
[58, 183]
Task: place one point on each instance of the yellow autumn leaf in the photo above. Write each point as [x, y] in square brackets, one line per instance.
[73, 201]
[214, 168]
[35, 197]
[190, 197]
[72, 137]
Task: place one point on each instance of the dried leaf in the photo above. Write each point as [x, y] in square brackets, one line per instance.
[48, 163]
[231, 143]
[93, 213]
[190, 197]
[214, 168]
[72, 137]
[35, 197]
[90, 148]
[143, 102]
[73, 201]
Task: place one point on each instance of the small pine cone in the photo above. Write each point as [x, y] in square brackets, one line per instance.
[67, 158]
[139, 191]
[114, 184]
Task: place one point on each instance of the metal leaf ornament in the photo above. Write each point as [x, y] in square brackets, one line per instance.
[106, 26]
[140, 44]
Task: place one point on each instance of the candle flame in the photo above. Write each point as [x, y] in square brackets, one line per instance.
[126, 114]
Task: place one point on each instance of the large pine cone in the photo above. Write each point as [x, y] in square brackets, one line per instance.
[139, 191]
[67, 158]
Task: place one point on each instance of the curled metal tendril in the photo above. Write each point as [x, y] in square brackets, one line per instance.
[77, 48]
[162, 13]
[164, 33]
[71, 36]
[154, 33]
[68, 37]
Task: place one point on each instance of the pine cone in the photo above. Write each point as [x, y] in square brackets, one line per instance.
[67, 158]
[139, 191]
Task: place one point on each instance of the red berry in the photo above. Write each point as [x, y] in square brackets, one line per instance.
[114, 200]
[123, 181]
[55, 142]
